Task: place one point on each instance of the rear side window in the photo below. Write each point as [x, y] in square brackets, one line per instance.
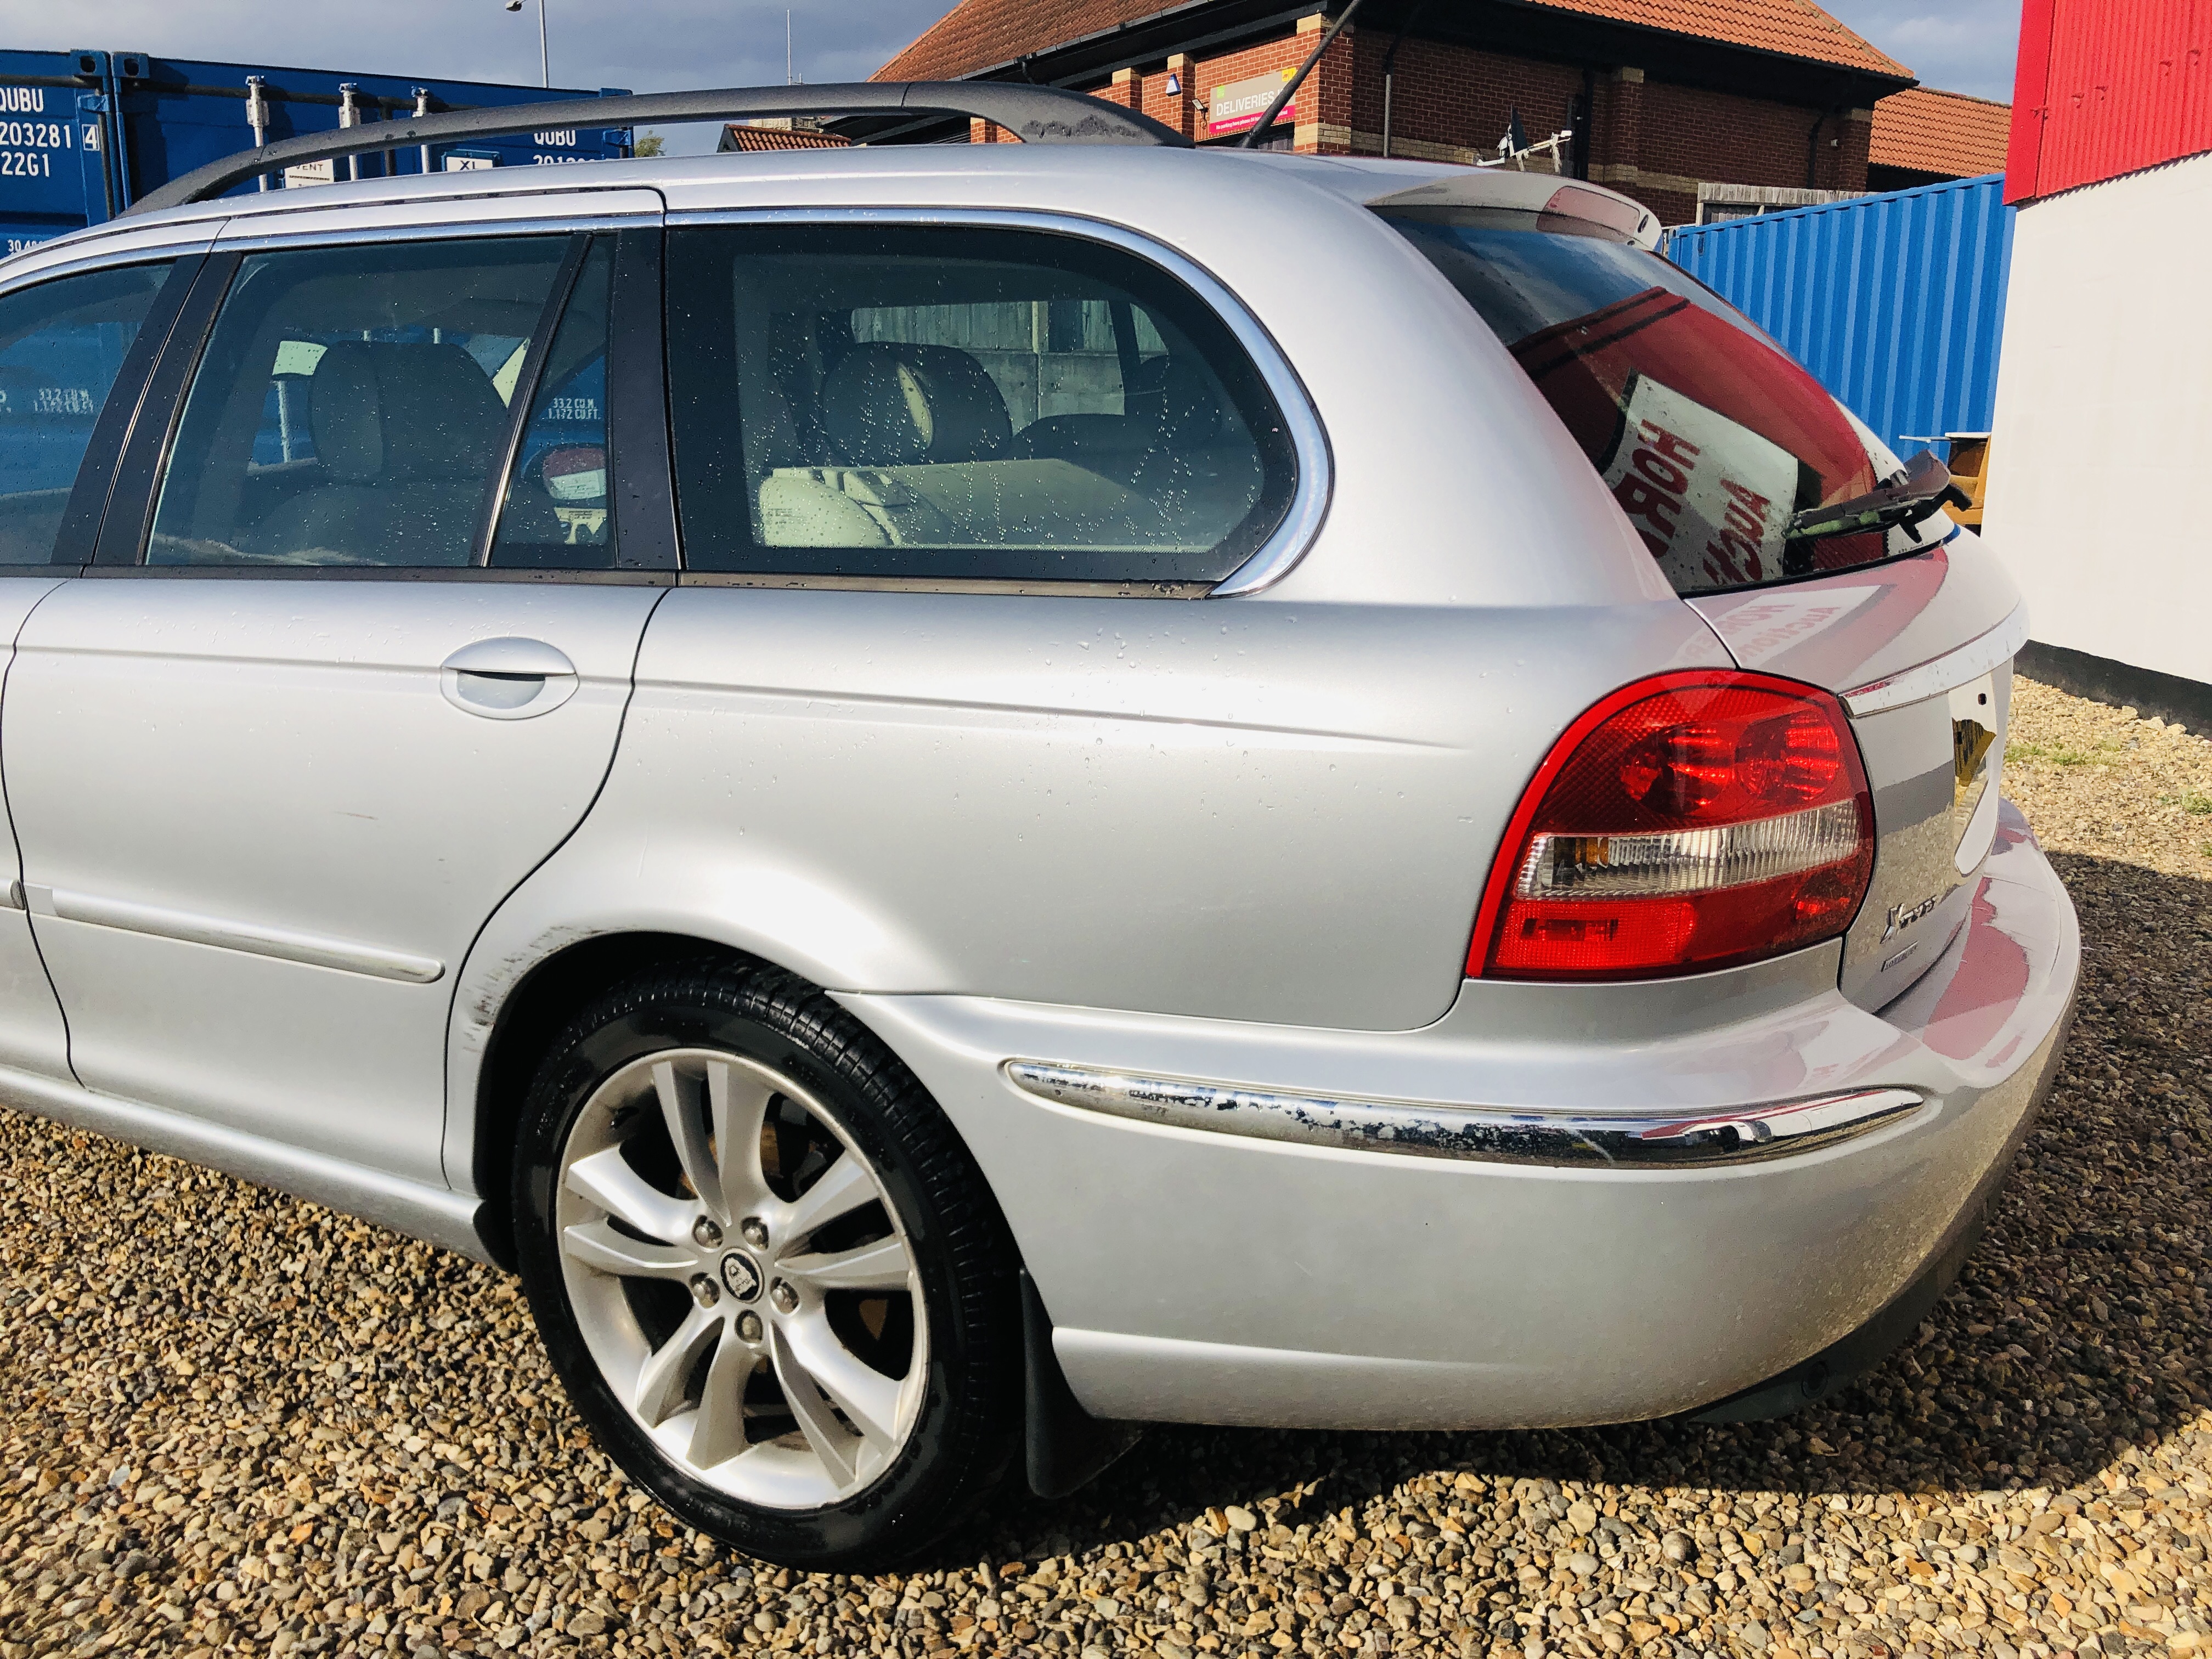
[1710, 436]
[61, 345]
[353, 405]
[961, 403]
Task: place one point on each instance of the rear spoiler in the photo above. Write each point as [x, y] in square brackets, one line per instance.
[1533, 192]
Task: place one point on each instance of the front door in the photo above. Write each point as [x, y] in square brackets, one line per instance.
[65, 344]
[365, 669]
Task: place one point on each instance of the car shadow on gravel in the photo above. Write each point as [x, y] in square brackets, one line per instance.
[2080, 1323]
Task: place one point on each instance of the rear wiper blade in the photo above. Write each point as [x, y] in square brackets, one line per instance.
[1921, 491]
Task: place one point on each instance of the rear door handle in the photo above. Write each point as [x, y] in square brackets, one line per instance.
[508, 679]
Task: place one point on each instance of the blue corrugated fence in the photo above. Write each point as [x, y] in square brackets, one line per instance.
[1895, 302]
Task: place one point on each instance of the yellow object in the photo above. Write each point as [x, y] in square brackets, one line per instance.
[1970, 471]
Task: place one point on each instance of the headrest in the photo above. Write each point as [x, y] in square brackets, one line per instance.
[888, 403]
[381, 409]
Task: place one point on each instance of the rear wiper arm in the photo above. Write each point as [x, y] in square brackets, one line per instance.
[1920, 492]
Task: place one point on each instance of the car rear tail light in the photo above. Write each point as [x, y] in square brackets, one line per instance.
[1690, 821]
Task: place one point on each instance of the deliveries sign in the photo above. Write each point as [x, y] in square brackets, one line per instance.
[1241, 104]
[1708, 495]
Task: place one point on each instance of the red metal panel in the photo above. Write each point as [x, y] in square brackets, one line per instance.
[2108, 86]
[2030, 79]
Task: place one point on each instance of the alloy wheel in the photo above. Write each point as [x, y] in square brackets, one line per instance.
[742, 1279]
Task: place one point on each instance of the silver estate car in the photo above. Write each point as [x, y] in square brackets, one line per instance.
[966, 796]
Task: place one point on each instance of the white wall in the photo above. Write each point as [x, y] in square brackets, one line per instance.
[2100, 497]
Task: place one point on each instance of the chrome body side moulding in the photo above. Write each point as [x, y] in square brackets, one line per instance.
[345, 956]
[1419, 1129]
[1301, 520]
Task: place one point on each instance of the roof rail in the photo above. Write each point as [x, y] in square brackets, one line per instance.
[1037, 115]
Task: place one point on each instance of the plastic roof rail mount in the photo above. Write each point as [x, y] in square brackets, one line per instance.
[1048, 115]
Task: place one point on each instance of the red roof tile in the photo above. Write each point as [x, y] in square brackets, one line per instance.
[743, 135]
[1793, 28]
[1944, 132]
[976, 35]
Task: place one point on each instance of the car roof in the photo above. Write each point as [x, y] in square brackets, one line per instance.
[1370, 181]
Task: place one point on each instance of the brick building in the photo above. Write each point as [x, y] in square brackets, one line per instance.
[1659, 96]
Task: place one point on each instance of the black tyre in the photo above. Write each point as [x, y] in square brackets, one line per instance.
[769, 1273]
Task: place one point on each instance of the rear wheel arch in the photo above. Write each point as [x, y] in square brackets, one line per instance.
[1064, 1447]
[535, 1012]
[531, 1016]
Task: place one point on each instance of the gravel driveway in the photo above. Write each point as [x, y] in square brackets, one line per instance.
[236, 1422]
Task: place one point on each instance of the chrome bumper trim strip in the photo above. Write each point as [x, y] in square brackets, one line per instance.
[1716, 1139]
[1969, 662]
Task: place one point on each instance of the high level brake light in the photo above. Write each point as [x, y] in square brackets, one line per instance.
[1690, 821]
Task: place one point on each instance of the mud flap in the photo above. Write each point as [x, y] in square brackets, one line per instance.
[1066, 1446]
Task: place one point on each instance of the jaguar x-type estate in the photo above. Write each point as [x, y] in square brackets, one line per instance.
[965, 796]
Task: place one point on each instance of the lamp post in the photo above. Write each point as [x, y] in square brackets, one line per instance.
[545, 59]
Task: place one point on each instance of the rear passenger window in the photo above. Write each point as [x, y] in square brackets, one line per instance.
[950, 403]
[352, 406]
[61, 345]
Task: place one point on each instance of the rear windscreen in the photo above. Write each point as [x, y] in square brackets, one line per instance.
[1709, 435]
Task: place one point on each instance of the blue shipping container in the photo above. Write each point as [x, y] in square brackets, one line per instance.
[1895, 302]
[85, 134]
[54, 157]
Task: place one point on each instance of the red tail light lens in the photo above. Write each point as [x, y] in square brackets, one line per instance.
[1690, 821]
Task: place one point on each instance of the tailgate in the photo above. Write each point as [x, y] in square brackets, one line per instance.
[1920, 650]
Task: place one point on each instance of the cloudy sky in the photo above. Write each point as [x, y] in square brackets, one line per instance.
[1965, 46]
[669, 45]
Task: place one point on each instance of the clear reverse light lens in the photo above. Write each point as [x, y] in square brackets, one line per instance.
[1688, 860]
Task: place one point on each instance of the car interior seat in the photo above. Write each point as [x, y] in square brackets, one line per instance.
[889, 403]
[405, 435]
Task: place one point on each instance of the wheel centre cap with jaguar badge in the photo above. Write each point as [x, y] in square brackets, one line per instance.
[740, 1277]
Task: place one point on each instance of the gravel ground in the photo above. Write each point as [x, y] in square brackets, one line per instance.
[234, 1423]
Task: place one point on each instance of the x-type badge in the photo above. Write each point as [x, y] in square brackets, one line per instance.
[1976, 757]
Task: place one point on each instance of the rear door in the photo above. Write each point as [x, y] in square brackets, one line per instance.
[348, 663]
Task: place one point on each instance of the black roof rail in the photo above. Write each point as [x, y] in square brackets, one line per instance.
[1046, 115]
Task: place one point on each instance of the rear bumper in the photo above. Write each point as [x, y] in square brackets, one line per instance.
[1201, 1273]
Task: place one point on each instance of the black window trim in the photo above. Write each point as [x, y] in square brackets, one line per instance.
[640, 463]
[637, 423]
[93, 492]
[129, 521]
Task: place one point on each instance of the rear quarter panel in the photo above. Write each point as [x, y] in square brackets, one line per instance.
[1263, 812]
